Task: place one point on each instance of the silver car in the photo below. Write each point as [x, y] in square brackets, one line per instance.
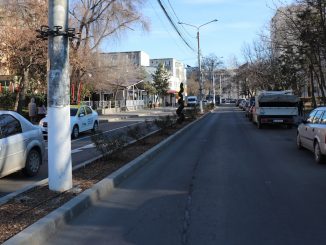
[311, 133]
[21, 145]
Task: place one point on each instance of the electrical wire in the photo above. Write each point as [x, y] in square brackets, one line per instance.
[174, 25]
[175, 14]
[182, 48]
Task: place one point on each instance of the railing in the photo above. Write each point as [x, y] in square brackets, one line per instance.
[122, 104]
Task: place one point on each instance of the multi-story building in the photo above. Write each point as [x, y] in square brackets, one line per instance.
[111, 61]
[175, 68]
[138, 58]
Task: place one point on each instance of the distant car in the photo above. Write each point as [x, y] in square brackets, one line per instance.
[192, 101]
[311, 133]
[82, 118]
[21, 145]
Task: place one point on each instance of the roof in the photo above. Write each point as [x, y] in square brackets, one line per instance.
[277, 98]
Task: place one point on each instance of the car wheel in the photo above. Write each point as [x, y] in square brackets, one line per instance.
[33, 163]
[299, 144]
[95, 127]
[319, 158]
[75, 132]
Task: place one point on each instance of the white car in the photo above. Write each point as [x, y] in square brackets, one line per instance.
[311, 133]
[21, 145]
[82, 118]
[192, 101]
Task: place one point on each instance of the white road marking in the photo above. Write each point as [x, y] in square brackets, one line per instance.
[98, 134]
[82, 148]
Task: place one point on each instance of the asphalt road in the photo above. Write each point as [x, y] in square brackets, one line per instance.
[82, 150]
[223, 182]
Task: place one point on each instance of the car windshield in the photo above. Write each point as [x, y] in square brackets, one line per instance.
[73, 111]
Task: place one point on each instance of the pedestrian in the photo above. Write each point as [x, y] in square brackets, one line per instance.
[32, 110]
[150, 104]
[41, 111]
[300, 107]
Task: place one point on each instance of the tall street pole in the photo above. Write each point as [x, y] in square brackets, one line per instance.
[220, 89]
[200, 76]
[59, 141]
[214, 89]
[199, 62]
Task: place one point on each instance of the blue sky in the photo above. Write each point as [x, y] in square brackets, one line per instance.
[239, 22]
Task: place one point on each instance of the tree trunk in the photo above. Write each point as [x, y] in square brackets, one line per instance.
[313, 99]
[22, 91]
[17, 95]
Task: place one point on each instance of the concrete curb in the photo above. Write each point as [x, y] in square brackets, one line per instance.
[41, 230]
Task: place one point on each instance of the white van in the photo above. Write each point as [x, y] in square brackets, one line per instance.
[192, 101]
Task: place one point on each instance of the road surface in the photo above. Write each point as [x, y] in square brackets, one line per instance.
[223, 182]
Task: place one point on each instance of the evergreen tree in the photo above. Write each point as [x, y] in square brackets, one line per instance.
[161, 80]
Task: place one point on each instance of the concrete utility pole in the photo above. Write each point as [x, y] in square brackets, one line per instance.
[214, 88]
[200, 76]
[59, 141]
[220, 88]
[199, 63]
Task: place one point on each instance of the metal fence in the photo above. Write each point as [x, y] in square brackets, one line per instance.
[121, 104]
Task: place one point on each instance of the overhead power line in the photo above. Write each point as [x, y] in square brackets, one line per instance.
[174, 25]
[175, 14]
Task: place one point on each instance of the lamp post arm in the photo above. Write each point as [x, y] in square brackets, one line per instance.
[207, 23]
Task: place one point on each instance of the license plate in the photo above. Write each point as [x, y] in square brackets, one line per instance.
[278, 121]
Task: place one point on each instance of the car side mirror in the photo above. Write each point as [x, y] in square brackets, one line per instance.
[81, 115]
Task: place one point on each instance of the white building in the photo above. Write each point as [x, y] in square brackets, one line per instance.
[177, 71]
[138, 58]
[109, 61]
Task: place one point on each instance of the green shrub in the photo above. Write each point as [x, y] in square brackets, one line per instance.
[136, 133]
[7, 100]
[165, 122]
[192, 113]
[109, 145]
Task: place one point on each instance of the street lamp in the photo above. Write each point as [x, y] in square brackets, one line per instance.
[221, 88]
[199, 63]
[213, 80]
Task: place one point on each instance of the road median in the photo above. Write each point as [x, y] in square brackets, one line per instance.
[38, 232]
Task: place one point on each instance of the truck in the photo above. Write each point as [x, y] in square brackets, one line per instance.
[275, 107]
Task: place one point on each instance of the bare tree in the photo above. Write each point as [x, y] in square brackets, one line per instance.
[209, 65]
[24, 55]
[96, 21]
[115, 73]
[192, 87]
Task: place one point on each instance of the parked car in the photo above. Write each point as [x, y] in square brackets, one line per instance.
[238, 101]
[21, 145]
[311, 133]
[82, 118]
[242, 104]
